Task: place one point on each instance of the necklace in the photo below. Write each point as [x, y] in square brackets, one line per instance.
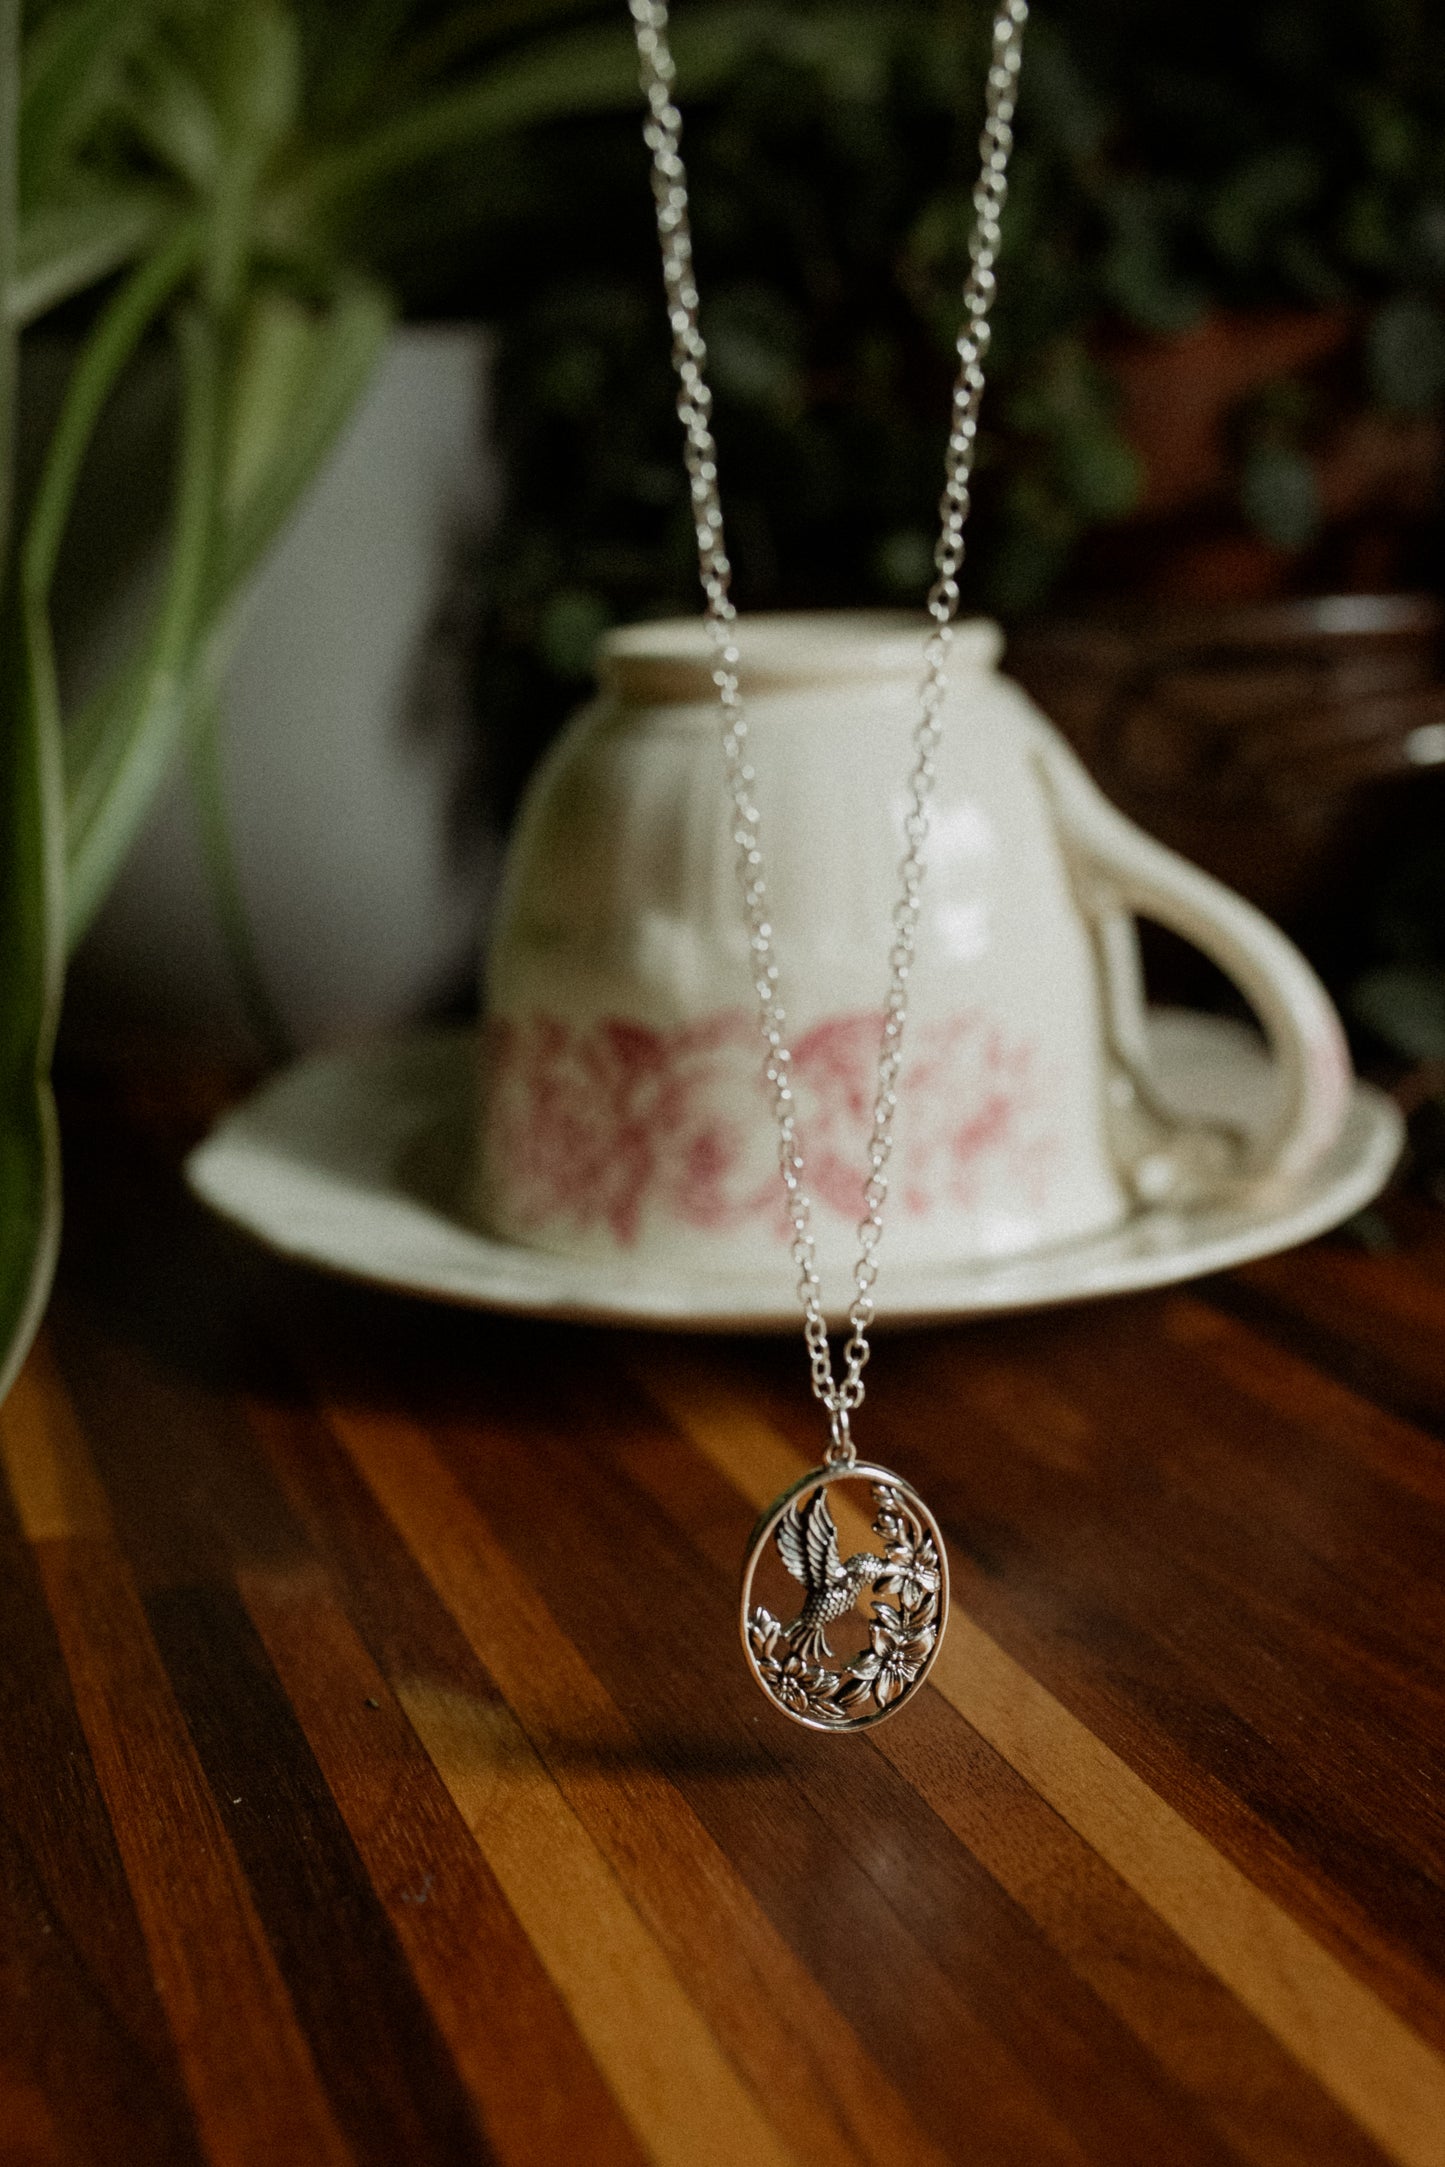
[797, 1537]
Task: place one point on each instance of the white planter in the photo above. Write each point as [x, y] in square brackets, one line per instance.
[347, 726]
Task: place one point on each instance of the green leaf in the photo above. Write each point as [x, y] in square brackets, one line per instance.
[109, 347]
[1137, 271]
[360, 52]
[206, 768]
[32, 941]
[756, 345]
[1267, 193]
[274, 361]
[1067, 105]
[257, 91]
[240, 477]
[572, 624]
[454, 36]
[1280, 495]
[279, 443]
[258, 76]
[65, 247]
[126, 760]
[1405, 354]
[70, 64]
[1404, 1004]
[174, 118]
[31, 852]
[594, 70]
[903, 562]
[9, 254]
[1102, 475]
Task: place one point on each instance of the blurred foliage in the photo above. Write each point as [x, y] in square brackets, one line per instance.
[207, 173]
[1170, 163]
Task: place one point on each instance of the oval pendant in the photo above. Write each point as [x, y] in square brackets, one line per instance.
[872, 1572]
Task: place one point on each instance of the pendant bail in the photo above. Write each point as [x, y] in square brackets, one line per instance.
[841, 1452]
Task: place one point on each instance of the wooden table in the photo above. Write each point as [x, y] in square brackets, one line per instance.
[381, 1781]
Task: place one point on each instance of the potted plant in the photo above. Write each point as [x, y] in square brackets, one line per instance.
[239, 179]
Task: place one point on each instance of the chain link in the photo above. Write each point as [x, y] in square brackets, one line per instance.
[840, 1396]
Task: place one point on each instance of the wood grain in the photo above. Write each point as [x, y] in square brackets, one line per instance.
[380, 1781]
[246, 2065]
[90, 2069]
[1344, 2035]
[761, 2002]
[410, 2025]
[691, 2104]
[416, 1841]
[1130, 1958]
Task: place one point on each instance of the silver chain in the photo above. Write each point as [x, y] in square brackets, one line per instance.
[663, 132]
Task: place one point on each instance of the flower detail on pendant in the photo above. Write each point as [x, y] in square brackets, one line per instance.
[897, 1651]
[791, 1681]
[912, 1561]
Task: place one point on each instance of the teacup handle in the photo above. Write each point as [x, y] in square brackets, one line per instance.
[1122, 873]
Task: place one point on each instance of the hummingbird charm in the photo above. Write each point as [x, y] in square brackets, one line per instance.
[791, 1659]
[807, 1543]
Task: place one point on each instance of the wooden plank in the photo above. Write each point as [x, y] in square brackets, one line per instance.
[89, 2067]
[245, 2064]
[1114, 2098]
[429, 2024]
[642, 2022]
[397, 2088]
[1352, 2043]
[1191, 1603]
[1260, 2100]
[1197, 1532]
[683, 2097]
[1379, 1445]
[1373, 1323]
[798, 1851]
[830, 2103]
[828, 1909]
[1235, 2072]
[56, 1491]
[28, 2130]
[1356, 2048]
[438, 1896]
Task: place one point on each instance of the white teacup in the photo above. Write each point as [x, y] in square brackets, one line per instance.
[623, 1111]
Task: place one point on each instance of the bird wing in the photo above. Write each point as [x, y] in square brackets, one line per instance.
[789, 1539]
[808, 1542]
[824, 1563]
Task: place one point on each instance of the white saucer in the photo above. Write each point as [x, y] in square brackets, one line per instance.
[354, 1161]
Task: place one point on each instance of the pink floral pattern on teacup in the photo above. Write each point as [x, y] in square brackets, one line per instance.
[607, 1124]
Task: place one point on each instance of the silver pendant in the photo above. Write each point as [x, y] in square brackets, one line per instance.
[882, 1655]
